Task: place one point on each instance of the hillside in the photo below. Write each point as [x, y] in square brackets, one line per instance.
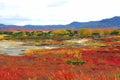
[105, 23]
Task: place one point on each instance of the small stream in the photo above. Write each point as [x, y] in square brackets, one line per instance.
[17, 48]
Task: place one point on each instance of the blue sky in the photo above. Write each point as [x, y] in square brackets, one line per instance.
[44, 12]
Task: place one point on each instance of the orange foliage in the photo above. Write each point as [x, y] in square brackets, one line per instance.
[101, 64]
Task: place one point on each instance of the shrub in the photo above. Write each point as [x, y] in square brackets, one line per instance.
[74, 62]
[68, 61]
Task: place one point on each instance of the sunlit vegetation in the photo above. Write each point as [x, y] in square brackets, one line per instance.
[89, 62]
[61, 34]
[63, 63]
[98, 60]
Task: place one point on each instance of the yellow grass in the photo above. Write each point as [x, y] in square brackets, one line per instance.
[2, 36]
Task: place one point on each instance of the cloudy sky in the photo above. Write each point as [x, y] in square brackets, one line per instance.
[43, 12]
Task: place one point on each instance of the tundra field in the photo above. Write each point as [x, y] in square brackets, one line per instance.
[70, 55]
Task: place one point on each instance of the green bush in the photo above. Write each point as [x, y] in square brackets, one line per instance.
[75, 62]
[68, 61]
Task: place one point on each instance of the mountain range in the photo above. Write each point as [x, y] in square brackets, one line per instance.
[104, 23]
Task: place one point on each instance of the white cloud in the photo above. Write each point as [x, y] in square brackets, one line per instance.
[42, 12]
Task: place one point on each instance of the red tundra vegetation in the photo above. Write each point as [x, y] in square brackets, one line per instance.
[69, 63]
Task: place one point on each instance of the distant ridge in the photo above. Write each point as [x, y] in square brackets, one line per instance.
[105, 23]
